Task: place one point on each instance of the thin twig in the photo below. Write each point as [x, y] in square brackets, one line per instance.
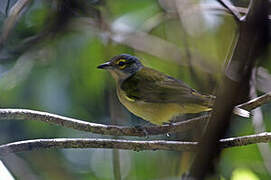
[29, 145]
[154, 21]
[12, 18]
[256, 102]
[7, 6]
[209, 7]
[37, 144]
[264, 137]
[25, 114]
[232, 9]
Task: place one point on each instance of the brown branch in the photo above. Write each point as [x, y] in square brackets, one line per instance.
[25, 114]
[13, 16]
[37, 144]
[29, 145]
[256, 102]
[251, 43]
[209, 7]
[264, 137]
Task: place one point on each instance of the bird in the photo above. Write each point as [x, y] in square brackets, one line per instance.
[153, 95]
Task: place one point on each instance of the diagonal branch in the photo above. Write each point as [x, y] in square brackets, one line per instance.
[232, 9]
[37, 144]
[13, 16]
[256, 102]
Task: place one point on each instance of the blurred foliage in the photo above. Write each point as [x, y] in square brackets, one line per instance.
[48, 62]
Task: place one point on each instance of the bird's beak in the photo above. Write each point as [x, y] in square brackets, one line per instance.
[106, 65]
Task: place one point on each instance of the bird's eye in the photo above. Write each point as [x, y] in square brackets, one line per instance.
[121, 64]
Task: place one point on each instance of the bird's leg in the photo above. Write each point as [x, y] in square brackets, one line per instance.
[142, 129]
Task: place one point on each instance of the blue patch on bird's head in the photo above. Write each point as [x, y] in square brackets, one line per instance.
[126, 63]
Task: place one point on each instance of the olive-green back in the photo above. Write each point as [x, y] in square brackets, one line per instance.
[149, 85]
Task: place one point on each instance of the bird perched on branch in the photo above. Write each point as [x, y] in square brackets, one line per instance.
[155, 96]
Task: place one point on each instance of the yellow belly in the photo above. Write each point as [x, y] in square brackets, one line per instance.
[158, 113]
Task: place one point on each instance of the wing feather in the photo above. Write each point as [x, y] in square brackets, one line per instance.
[149, 85]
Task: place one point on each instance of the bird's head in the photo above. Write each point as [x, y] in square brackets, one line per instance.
[122, 66]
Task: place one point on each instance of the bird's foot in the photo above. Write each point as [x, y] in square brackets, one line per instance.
[143, 130]
[170, 123]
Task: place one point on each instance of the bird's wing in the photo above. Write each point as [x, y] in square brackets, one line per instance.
[149, 85]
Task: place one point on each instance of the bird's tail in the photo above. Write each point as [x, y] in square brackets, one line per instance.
[238, 111]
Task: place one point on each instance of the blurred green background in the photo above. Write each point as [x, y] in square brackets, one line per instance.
[48, 62]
